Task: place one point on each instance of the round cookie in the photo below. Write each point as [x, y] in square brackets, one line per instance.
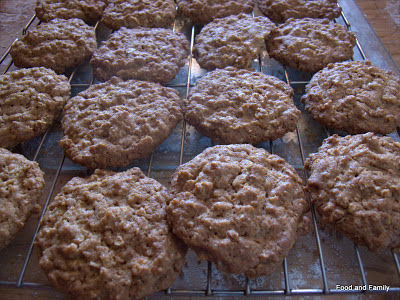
[153, 54]
[88, 10]
[354, 184]
[135, 13]
[231, 41]
[233, 106]
[355, 97]
[107, 237]
[113, 123]
[30, 101]
[239, 207]
[58, 45]
[204, 11]
[310, 44]
[21, 185]
[282, 10]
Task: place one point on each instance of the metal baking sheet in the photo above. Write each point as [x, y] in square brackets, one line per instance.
[318, 262]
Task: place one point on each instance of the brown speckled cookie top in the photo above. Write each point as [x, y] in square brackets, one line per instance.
[310, 44]
[153, 54]
[356, 97]
[58, 45]
[282, 10]
[112, 123]
[231, 41]
[21, 185]
[139, 13]
[88, 10]
[355, 186]
[30, 100]
[204, 11]
[233, 106]
[107, 237]
[239, 207]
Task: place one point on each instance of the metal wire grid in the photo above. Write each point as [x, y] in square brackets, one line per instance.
[209, 290]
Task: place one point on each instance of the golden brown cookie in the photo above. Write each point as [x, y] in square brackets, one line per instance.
[204, 11]
[30, 101]
[231, 41]
[139, 13]
[21, 185]
[153, 54]
[355, 97]
[309, 45]
[87, 10]
[107, 237]
[355, 186]
[233, 106]
[58, 45]
[282, 10]
[113, 123]
[239, 207]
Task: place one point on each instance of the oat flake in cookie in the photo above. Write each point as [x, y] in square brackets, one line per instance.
[355, 186]
[239, 207]
[58, 45]
[231, 41]
[153, 54]
[107, 237]
[355, 97]
[204, 11]
[139, 13]
[233, 106]
[310, 44]
[21, 185]
[30, 101]
[282, 10]
[113, 123]
[87, 10]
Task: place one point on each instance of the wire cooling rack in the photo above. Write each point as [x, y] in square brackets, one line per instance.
[322, 262]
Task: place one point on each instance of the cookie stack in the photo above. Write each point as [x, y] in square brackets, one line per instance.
[122, 234]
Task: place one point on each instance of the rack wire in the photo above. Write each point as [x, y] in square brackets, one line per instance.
[210, 288]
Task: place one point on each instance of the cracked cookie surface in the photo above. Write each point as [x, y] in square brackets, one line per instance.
[58, 45]
[239, 207]
[282, 10]
[233, 106]
[113, 123]
[204, 11]
[355, 186]
[355, 97]
[139, 13]
[153, 54]
[231, 41]
[309, 45]
[30, 101]
[21, 185]
[107, 237]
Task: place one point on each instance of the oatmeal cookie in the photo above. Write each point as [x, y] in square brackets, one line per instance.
[107, 237]
[233, 106]
[282, 10]
[58, 45]
[310, 44]
[88, 10]
[355, 97]
[139, 13]
[354, 184]
[153, 54]
[204, 11]
[231, 41]
[239, 207]
[113, 123]
[21, 185]
[30, 101]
